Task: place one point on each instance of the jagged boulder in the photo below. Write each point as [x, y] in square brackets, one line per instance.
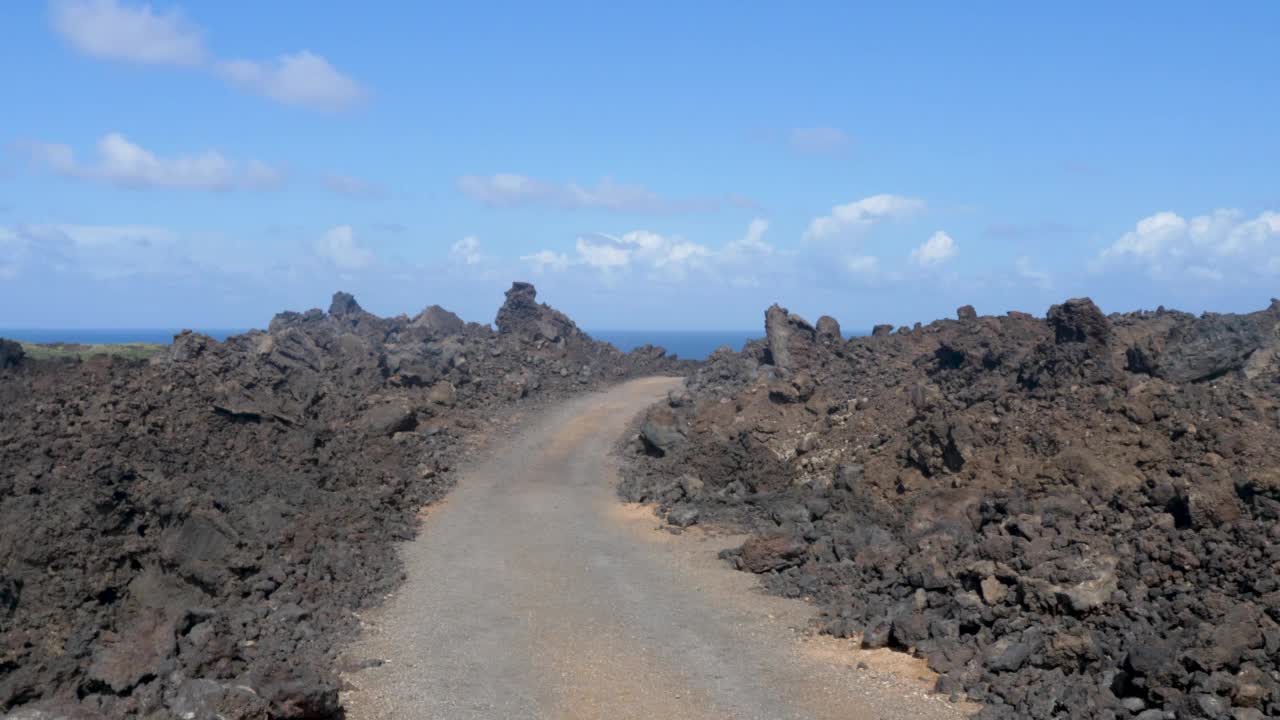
[1079, 321]
[188, 345]
[792, 341]
[661, 430]
[1197, 349]
[772, 552]
[10, 353]
[388, 418]
[344, 304]
[1079, 352]
[437, 320]
[523, 315]
[828, 328]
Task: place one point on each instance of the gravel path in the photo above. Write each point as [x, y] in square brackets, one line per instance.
[532, 592]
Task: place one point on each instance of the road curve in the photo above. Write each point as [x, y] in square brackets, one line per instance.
[532, 592]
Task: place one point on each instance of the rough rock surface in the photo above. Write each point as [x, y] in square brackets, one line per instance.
[190, 537]
[1073, 517]
[11, 353]
[523, 315]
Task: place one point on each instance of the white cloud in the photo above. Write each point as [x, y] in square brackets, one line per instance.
[350, 185]
[1027, 271]
[545, 260]
[302, 78]
[339, 246]
[818, 140]
[512, 190]
[936, 250]
[603, 252]
[865, 265]
[467, 250]
[862, 214]
[114, 31]
[98, 236]
[1153, 237]
[13, 252]
[1205, 273]
[670, 257]
[97, 251]
[504, 189]
[1206, 247]
[123, 163]
[751, 244]
[261, 176]
[745, 260]
[664, 257]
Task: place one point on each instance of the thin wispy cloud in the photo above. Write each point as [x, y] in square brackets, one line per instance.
[546, 261]
[301, 78]
[504, 190]
[467, 251]
[819, 140]
[350, 185]
[861, 215]
[1026, 269]
[339, 247]
[1029, 231]
[122, 163]
[111, 31]
[135, 33]
[96, 251]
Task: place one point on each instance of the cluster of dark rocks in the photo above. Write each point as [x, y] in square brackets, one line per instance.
[1075, 516]
[192, 536]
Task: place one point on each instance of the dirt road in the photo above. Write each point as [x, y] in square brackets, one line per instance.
[532, 592]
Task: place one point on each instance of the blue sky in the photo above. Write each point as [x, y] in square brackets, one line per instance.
[647, 165]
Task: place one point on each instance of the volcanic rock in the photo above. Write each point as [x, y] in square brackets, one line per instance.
[191, 536]
[661, 430]
[11, 353]
[438, 321]
[1073, 516]
[828, 329]
[344, 304]
[763, 554]
[1079, 321]
[443, 393]
[792, 341]
[523, 315]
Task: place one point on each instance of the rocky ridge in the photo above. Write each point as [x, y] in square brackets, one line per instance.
[1069, 517]
[190, 537]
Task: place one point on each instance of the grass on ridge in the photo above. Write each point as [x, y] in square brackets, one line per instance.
[131, 351]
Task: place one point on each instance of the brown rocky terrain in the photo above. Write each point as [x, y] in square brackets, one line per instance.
[189, 536]
[1069, 517]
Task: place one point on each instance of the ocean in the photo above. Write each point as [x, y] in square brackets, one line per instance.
[108, 336]
[690, 344]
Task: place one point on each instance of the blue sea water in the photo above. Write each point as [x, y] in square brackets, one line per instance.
[687, 344]
[108, 336]
[690, 344]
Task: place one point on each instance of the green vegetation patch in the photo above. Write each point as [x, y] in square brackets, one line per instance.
[131, 351]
